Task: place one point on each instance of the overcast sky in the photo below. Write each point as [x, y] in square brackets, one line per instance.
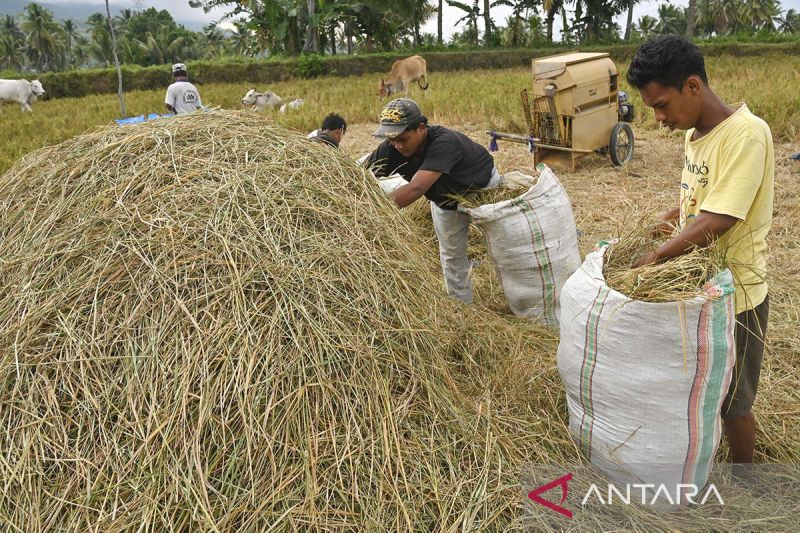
[180, 10]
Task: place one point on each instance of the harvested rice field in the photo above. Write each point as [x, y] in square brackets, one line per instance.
[189, 344]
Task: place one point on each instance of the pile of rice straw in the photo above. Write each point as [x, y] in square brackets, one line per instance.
[211, 323]
[514, 184]
[680, 278]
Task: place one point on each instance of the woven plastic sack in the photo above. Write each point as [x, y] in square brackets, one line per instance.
[389, 184]
[533, 243]
[645, 381]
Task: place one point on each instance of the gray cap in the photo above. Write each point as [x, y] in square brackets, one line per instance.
[397, 116]
[178, 67]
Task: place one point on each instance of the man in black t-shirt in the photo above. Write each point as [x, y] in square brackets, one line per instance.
[437, 163]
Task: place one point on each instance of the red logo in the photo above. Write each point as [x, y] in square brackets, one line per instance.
[560, 482]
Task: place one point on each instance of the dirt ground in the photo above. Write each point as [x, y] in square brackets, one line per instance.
[603, 196]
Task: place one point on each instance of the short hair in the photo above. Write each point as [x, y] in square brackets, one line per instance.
[668, 60]
[334, 122]
[415, 123]
[179, 73]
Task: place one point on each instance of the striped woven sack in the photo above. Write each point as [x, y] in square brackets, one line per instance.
[533, 243]
[645, 381]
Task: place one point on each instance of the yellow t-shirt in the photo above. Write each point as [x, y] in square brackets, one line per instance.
[730, 171]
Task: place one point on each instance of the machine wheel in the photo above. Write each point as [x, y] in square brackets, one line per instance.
[621, 146]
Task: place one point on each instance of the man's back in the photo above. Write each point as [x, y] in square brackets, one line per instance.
[326, 138]
[465, 165]
[183, 96]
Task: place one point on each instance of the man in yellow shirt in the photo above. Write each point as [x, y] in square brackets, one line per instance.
[726, 197]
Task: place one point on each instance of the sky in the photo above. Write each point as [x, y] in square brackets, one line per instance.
[181, 10]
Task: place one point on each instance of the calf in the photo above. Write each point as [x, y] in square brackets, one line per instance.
[295, 104]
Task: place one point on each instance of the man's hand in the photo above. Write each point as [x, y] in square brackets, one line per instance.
[648, 259]
[666, 222]
[419, 185]
[705, 230]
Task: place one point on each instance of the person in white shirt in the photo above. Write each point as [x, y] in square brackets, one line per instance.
[182, 95]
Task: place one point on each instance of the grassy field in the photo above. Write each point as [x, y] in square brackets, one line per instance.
[485, 98]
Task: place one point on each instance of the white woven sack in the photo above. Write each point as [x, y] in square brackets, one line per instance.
[645, 381]
[533, 243]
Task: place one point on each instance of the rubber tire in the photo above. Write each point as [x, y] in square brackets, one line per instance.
[613, 147]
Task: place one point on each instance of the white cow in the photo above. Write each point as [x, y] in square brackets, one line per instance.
[23, 92]
[295, 104]
[261, 101]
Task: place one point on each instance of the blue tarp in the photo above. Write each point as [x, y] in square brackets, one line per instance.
[141, 118]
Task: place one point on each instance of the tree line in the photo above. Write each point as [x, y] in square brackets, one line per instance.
[35, 40]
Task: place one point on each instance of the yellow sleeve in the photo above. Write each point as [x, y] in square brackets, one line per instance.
[738, 179]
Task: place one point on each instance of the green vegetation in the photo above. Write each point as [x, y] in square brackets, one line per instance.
[76, 83]
[487, 98]
[36, 42]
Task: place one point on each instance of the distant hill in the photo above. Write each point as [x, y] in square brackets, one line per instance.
[79, 12]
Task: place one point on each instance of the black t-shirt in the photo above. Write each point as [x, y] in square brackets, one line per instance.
[465, 165]
[325, 138]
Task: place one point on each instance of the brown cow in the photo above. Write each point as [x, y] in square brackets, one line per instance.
[404, 71]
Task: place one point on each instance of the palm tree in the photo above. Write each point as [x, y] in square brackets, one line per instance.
[729, 15]
[43, 37]
[691, 11]
[551, 9]
[12, 52]
[769, 15]
[213, 41]
[704, 19]
[514, 28]
[669, 19]
[70, 34]
[100, 45]
[751, 13]
[790, 22]
[116, 60]
[439, 22]
[8, 26]
[121, 20]
[487, 23]
[312, 37]
[596, 17]
[472, 13]
[647, 26]
[241, 38]
[629, 22]
[12, 44]
[81, 51]
[161, 47]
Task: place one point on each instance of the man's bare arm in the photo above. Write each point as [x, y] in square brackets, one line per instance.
[704, 230]
[418, 186]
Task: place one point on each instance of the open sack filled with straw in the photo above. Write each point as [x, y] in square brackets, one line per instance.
[532, 239]
[646, 370]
